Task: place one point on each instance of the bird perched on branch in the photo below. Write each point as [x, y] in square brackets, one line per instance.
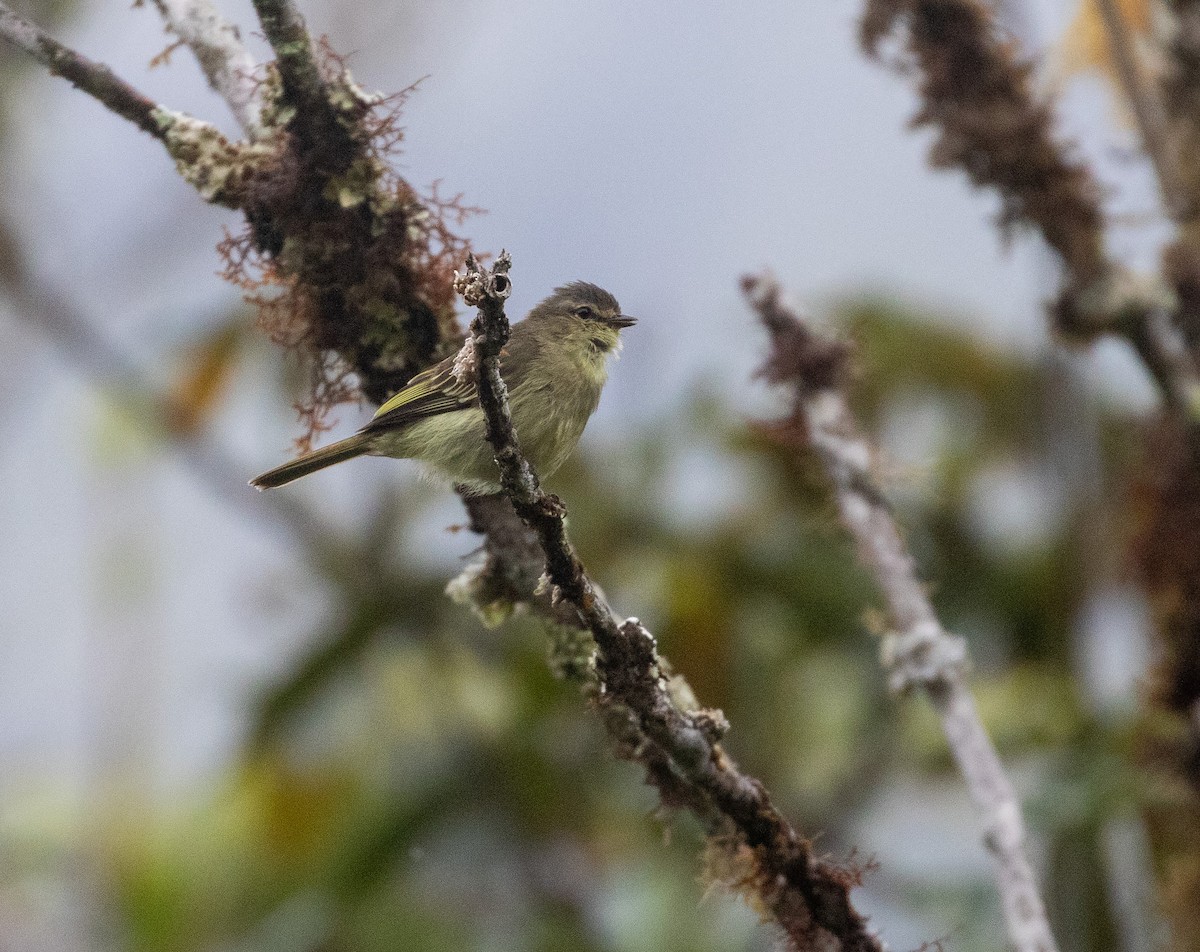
[555, 365]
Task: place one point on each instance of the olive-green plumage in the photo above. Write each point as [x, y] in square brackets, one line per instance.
[555, 365]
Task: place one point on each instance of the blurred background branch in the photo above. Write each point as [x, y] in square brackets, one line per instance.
[52, 316]
[917, 651]
[977, 94]
[1146, 105]
[1159, 319]
[228, 66]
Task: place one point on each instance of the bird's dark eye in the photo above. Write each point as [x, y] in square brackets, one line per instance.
[583, 311]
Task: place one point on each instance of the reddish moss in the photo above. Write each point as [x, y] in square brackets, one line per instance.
[348, 265]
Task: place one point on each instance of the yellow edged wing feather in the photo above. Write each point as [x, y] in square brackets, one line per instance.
[432, 391]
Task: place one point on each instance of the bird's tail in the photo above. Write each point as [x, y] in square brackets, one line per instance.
[337, 452]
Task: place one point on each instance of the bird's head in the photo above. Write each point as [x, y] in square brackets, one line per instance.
[584, 312]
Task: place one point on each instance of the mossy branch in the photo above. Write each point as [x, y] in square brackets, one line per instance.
[808, 897]
[977, 95]
[917, 652]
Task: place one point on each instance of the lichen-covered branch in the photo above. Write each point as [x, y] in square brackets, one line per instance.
[224, 59]
[347, 264]
[677, 745]
[917, 651]
[216, 167]
[95, 79]
[977, 95]
[324, 110]
[297, 63]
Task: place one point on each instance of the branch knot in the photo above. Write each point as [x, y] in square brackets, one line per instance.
[922, 656]
[477, 285]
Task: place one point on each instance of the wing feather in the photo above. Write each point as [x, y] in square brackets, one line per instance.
[432, 391]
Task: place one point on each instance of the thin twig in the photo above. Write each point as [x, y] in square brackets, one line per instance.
[95, 79]
[1147, 109]
[203, 156]
[227, 64]
[1164, 351]
[917, 652]
[808, 897]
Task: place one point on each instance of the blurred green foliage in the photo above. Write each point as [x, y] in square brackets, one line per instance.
[419, 782]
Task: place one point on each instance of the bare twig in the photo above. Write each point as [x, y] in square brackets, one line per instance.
[1149, 322]
[808, 897]
[1147, 109]
[917, 652]
[95, 79]
[203, 156]
[1164, 351]
[227, 64]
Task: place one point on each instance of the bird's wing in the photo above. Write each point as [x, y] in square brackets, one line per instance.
[432, 391]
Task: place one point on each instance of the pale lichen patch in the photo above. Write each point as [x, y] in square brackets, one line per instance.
[210, 162]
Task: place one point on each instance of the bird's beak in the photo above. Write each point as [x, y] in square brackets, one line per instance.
[621, 320]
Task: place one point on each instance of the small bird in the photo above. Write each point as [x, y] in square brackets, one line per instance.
[555, 365]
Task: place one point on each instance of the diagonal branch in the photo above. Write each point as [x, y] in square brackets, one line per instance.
[364, 286]
[679, 748]
[93, 78]
[326, 113]
[918, 652]
[977, 94]
[224, 59]
[285, 30]
[1148, 112]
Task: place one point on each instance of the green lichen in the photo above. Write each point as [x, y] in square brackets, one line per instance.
[473, 587]
[570, 653]
[346, 95]
[215, 166]
[277, 113]
[359, 183]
